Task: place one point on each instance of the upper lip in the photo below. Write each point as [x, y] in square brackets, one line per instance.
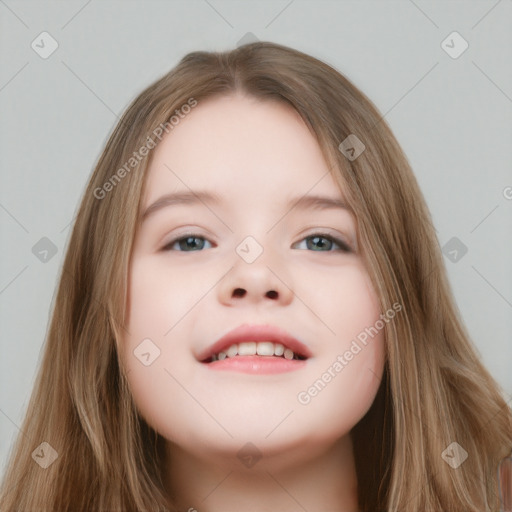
[256, 333]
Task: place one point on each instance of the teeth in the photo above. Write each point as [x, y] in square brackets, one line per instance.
[288, 354]
[251, 348]
[278, 349]
[247, 348]
[265, 348]
[232, 350]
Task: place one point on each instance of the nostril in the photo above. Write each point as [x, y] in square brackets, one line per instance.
[272, 294]
[239, 292]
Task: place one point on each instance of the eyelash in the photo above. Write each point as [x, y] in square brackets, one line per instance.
[344, 247]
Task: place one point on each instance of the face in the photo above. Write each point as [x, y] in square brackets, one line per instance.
[246, 256]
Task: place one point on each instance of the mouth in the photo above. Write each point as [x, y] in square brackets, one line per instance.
[256, 349]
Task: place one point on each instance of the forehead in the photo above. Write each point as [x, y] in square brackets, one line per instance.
[241, 147]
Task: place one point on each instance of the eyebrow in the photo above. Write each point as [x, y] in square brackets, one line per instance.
[305, 202]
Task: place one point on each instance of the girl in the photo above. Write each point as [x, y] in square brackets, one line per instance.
[253, 313]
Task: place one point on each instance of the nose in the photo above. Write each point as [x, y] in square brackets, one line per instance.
[262, 280]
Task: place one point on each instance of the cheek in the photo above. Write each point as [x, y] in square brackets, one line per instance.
[343, 300]
[341, 386]
[149, 355]
[160, 296]
[341, 394]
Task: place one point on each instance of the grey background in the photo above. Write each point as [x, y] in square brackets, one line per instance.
[451, 116]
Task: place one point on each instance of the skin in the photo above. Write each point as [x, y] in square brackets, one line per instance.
[257, 155]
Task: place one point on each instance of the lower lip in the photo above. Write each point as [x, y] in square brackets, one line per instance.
[257, 364]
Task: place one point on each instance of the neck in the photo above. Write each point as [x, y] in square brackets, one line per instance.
[325, 480]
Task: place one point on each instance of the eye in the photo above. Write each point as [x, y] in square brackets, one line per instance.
[318, 242]
[188, 243]
[321, 242]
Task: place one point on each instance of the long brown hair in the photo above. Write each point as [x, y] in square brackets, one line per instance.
[434, 391]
